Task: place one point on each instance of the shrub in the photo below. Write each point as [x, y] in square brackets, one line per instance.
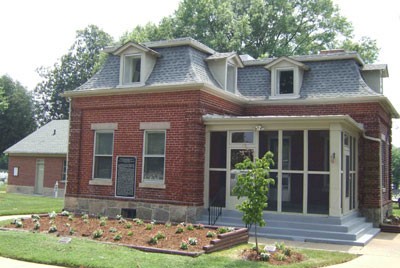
[65, 213]
[168, 224]
[103, 223]
[264, 256]
[280, 246]
[71, 231]
[160, 235]
[112, 230]
[85, 216]
[223, 230]
[119, 217]
[35, 217]
[128, 225]
[153, 240]
[70, 217]
[53, 229]
[192, 241]
[19, 224]
[287, 251]
[200, 226]
[184, 245]
[211, 234]
[190, 227]
[179, 230]
[130, 233]
[36, 226]
[280, 256]
[138, 221]
[117, 237]
[52, 215]
[149, 226]
[97, 234]
[86, 221]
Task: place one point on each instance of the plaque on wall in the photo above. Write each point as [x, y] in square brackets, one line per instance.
[126, 176]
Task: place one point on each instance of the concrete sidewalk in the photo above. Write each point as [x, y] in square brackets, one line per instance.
[382, 251]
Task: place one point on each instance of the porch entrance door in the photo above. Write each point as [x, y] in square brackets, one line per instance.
[39, 176]
[346, 183]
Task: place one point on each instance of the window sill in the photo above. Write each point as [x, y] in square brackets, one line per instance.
[138, 84]
[153, 185]
[106, 182]
[284, 97]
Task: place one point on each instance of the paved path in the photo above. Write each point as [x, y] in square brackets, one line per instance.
[383, 251]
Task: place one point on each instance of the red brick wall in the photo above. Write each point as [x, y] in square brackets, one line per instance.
[185, 147]
[53, 168]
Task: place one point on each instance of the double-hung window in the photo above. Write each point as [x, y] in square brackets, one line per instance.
[103, 153]
[132, 69]
[154, 156]
[285, 82]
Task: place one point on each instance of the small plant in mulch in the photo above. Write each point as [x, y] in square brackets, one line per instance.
[168, 224]
[223, 230]
[265, 256]
[71, 231]
[392, 220]
[85, 216]
[184, 245]
[117, 237]
[200, 226]
[97, 234]
[112, 230]
[138, 221]
[149, 226]
[179, 230]
[103, 223]
[53, 229]
[190, 227]
[52, 215]
[86, 221]
[65, 213]
[278, 255]
[128, 225]
[130, 233]
[211, 234]
[36, 226]
[35, 217]
[71, 217]
[192, 241]
[153, 240]
[19, 224]
[160, 235]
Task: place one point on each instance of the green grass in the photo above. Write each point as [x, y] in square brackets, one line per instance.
[42, 248]
[17, 204]
[396, 209]
[3, 187]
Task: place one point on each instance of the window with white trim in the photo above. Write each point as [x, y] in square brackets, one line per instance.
[285, 82]
[154, 156]
[103, 154]
[231, 71]
[132, 65]
[64, 171]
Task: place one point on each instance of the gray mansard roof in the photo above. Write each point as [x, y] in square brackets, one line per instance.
[51, 138]
[183, 61]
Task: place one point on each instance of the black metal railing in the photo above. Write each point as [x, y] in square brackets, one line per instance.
[215, 208]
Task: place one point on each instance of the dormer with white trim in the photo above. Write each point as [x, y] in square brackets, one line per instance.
[136, 64]
[223, 67]
[286, 78]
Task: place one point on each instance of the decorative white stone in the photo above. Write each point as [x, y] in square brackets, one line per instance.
[270, 248]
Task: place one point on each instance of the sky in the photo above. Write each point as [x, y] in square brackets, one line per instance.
[37, 33]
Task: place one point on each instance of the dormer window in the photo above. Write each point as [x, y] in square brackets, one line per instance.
[285, 84]
[132, 69]
[286, 78]
[231, 78]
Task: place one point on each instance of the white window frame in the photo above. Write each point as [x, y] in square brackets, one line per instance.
[278, 88]
[275, 89]
[64, 171]
[153, 183]
[94, 154]
[124, 59]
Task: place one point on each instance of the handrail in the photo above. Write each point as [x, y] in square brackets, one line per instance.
[214, 211]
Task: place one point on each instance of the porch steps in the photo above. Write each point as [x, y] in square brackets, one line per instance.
[347, 230]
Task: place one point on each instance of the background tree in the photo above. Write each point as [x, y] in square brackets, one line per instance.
[16, 119]
[74, 68]
[396, 166]
[260, 28]
[253, 184]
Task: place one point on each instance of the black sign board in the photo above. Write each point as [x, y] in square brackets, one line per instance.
[126, 174]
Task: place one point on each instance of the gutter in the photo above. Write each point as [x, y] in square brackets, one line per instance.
[380, 170]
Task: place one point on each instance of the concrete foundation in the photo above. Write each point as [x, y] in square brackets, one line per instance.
[19, 189]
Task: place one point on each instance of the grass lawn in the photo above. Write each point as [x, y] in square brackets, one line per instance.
[17, 204]
[3, 187]
[42, 248]
[396, 209]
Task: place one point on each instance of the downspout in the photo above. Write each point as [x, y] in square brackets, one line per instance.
[69, 127]
[380, 170]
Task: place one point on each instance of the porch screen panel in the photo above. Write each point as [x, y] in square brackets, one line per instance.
[318, 150]
[292, 193]
[318, 194]
[217, 168]
[268, 141]
[292, 150]
[273, 193]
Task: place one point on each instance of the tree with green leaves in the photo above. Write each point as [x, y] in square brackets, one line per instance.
[253, 184]
[260, 28]
[16, 119]
[396, 166]
[3, 101]
[81, 62]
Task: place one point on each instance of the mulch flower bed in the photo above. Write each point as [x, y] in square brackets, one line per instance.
[391, 224]
[184, 239]
[279, 255]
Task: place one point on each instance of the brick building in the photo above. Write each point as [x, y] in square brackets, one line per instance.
[39, 161]
[157, 131]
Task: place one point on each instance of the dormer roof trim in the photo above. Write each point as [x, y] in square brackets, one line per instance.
[383, 68]
[118, 51]
[270, 65]
[227, 56]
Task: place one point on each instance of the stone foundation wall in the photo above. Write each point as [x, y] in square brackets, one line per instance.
[374, 214]
[146, 211]
[19, 189]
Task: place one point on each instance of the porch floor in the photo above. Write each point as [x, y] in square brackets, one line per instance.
[346, 230]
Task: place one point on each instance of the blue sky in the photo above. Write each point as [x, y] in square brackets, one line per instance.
[37, 33]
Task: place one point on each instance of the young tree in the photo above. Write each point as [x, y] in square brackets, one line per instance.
[75, 68]
[253, 184]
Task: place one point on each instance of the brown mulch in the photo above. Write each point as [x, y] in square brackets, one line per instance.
[139, 236]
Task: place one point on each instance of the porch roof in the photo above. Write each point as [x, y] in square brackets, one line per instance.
[215, 119]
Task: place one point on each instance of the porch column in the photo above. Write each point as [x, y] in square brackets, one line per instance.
[335, 170]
